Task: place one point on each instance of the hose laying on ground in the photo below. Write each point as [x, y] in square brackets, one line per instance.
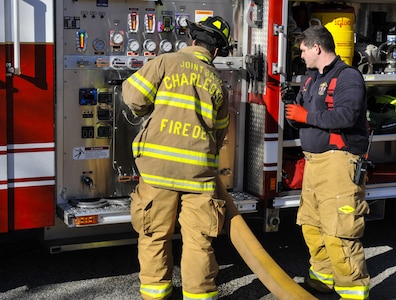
[256, 257]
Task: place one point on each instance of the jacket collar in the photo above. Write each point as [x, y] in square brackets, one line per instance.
[314, 73]
[199, 52]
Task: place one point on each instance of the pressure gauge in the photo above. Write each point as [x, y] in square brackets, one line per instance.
[165, 46]
[133, 45]
[182, 20]
[117, 38]
[98, 45]
[180, 45]
[149, 45]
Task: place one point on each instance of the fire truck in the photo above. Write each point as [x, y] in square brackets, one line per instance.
[66, 165]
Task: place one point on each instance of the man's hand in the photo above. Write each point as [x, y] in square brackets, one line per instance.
[287, 93]
[296, 113]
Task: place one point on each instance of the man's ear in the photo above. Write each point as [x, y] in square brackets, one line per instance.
[193, 42]
[215, 52]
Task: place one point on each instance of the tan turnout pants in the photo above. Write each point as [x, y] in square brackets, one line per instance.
[331, 213]
[154, 213]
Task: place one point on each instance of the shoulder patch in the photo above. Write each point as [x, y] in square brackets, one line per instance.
[322, 88]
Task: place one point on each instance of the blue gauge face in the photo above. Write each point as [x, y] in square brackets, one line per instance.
[99, 44]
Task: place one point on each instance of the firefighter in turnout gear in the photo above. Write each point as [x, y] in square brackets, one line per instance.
[334, 135]
[176, 153]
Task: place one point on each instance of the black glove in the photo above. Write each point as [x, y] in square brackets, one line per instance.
[287, 93]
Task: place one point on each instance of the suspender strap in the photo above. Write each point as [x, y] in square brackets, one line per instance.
[330, 92]
[335, 135]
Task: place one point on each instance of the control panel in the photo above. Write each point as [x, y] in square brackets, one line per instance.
[99, 45]
[116, 34]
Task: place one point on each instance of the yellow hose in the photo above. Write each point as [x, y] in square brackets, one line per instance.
[256, 257]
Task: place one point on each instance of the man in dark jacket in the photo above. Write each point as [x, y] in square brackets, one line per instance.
[334, 134]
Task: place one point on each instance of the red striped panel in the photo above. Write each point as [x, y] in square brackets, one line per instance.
[27, 117]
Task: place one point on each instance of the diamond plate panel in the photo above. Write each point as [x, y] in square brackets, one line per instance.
[255, 149]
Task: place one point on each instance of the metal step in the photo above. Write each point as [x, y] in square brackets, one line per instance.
[93, 212]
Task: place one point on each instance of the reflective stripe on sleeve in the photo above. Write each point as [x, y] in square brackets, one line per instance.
[223, 123]
[143, 85]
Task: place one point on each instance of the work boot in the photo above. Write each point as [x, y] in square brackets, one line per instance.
[319, 286]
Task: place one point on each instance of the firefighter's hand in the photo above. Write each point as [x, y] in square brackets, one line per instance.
[296, 113]
[287, 93]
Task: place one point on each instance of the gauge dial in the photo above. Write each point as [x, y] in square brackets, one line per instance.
[149, 45]
[166, 46]
[98, 45]
[117, 38]
[182, 20]
[180, 45]
[133, 45]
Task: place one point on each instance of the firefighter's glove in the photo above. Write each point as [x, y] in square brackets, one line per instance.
[296, 113]
[287, 93]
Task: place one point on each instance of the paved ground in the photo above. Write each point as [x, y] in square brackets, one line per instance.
[28, 271]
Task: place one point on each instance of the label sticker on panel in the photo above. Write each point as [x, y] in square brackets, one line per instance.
[201, 14]
[82, 153]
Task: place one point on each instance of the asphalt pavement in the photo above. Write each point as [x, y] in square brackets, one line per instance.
[28, 271]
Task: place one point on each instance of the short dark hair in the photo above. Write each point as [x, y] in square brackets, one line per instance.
[317, 34]
[210, 47]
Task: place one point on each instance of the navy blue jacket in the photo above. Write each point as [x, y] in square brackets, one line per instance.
[347, 117]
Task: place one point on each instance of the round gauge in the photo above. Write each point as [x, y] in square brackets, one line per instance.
[180, 45]
[149, 45]
[117, 38]
[133, 45]
[182, 20]
[166, 46]
[98, 44]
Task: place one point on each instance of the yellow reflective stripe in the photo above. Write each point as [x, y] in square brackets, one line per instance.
[360, 292]
[184, 101]
[173, 183]
[156, 291]
[176, 154]
[202, 57]
[223, 123]
[322, 277]
[143, 85]
[203, 296]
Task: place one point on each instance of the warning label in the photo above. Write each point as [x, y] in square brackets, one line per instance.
[81, 153]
